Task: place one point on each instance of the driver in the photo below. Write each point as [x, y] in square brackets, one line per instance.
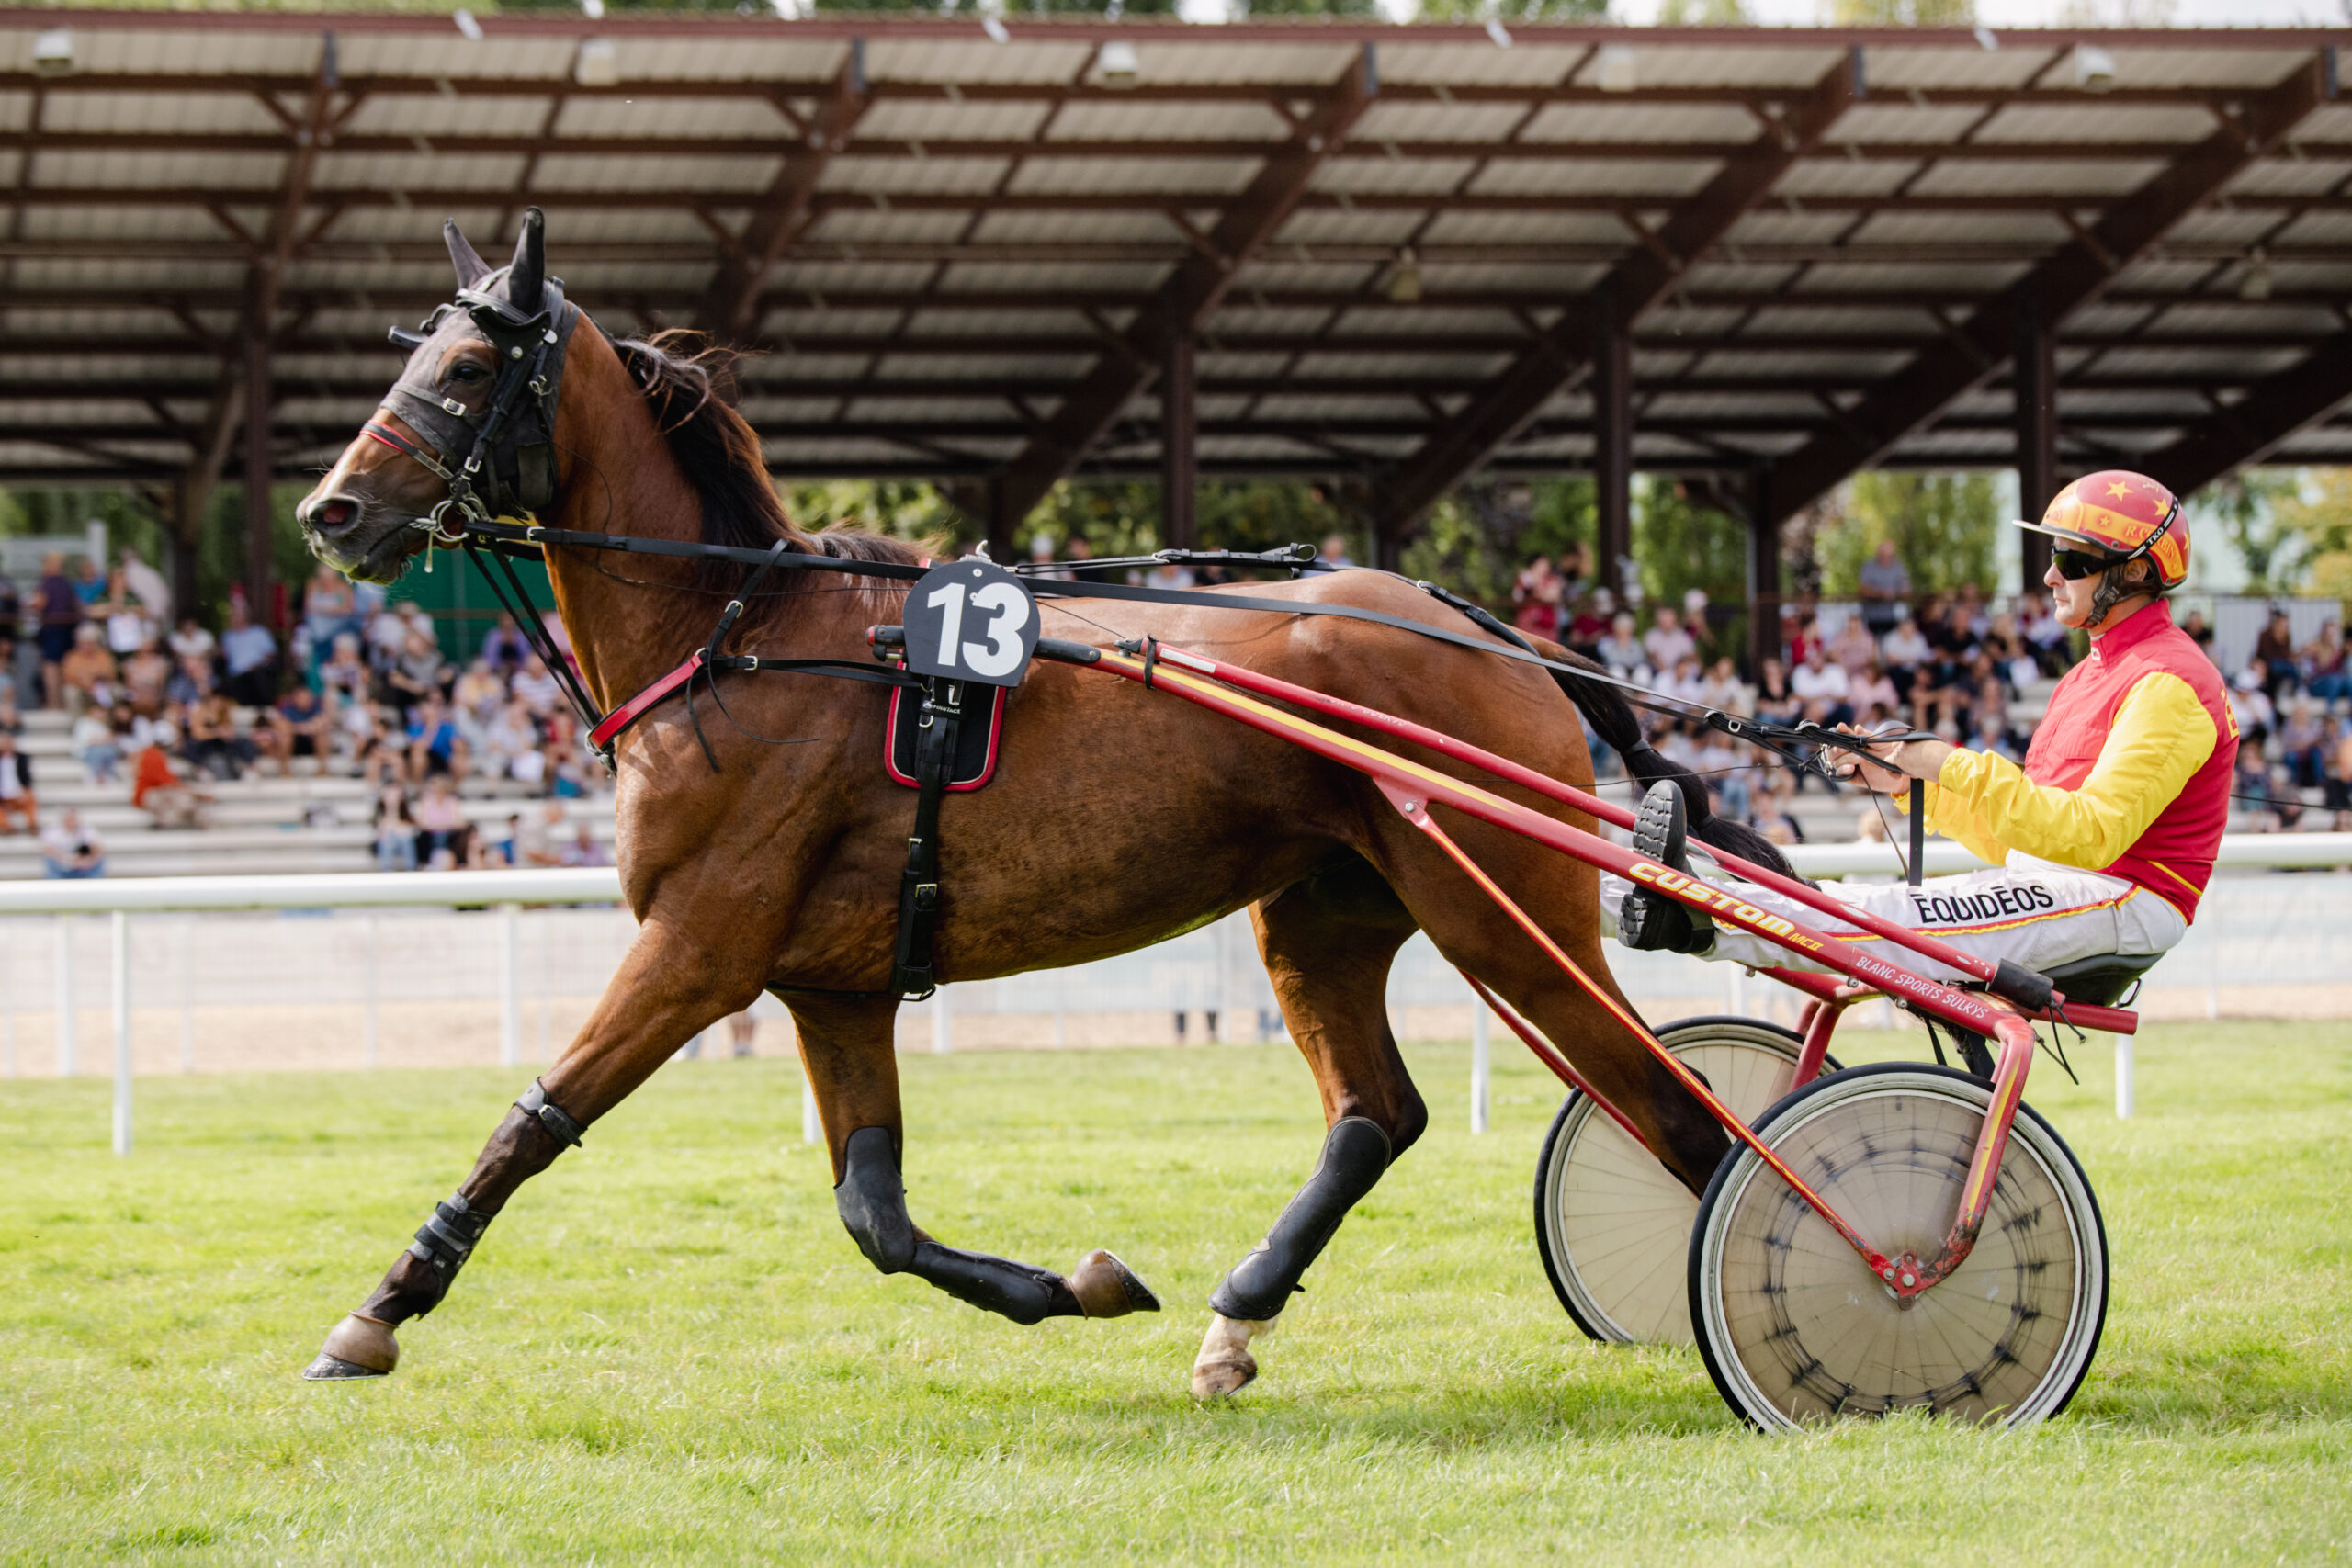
[2101, 844]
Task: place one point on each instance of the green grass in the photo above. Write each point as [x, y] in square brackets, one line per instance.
[668, 1350]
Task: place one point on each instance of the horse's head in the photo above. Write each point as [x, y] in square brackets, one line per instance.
[468, 430]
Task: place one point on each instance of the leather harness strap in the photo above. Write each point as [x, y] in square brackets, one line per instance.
[912, 974]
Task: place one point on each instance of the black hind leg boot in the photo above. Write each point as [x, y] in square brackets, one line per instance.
[1649, 921]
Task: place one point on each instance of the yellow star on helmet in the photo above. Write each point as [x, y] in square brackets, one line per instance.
[2119, 489]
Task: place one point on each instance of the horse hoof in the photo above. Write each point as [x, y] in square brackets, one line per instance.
[332, 1368]
[1107, 1288]
[1224, 1365]
[355, 1348]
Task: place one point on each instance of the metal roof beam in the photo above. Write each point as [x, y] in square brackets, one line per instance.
[782, 213]
[1631, 288]
[2273, 412]
[1193, 289]
[2077, 274]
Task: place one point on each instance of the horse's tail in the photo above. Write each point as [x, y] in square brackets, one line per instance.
[1613, 719]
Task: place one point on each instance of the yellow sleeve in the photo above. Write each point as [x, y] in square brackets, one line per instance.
[2161, 737]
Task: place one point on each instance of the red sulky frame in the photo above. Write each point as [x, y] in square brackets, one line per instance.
[1413, 788]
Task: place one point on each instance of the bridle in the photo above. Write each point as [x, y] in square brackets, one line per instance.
[505, 465]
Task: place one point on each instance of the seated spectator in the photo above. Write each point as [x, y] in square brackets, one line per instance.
[538, 840]
[2303, 746]
[190, 683]
[442, 827]
[16, 788]
[126, 624]
[71, 849]
[96, 745]
[536, 687]
[479, 694]
[249, 660]
[1885, 585]
[1775, 793]
[500, 854]
[418, 672]
[504, 647]
[434, 745]
[2339, 776]
[2198, 630]
[387, 637]
[396, 831]
[60, 617]
[2045, 639]
[1823, 688]
[1620, 651]
[2251, 707]
[192, 641]
[346, 673]
[585, 849]
[1589, 623]
[1686, 680]
[1776, 702]
[147, 678]
[301, 725]
[511, 745]
[1853, 648]
[88, 670]
[2325, 676]
[1724, 691]
[1870, 688]
[2274, 655]
[158, 790]
[1536, 597]
[330, 609]
[1694, 621]
[213, 744]
[1904, 651]
[1667, 643]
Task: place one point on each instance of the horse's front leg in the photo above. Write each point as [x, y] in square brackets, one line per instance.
[669, 986]
[848, 1046]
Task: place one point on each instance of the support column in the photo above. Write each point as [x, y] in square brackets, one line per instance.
[1004, 528]
[1387, 538]
[1763, 582]
[2035, 379]
[260, 535]
[1178, 448]
[1613, 453]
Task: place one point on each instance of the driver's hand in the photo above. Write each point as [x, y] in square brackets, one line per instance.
[1882, 771]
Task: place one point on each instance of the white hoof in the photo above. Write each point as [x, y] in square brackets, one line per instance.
[1224, 1365]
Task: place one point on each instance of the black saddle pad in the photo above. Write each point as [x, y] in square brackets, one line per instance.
[976, 742]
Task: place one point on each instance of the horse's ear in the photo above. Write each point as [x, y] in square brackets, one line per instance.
[527, 279]
[472, 268]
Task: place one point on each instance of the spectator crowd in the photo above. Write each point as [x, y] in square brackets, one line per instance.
[358, 686]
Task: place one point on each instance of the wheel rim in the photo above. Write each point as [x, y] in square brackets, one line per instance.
[1798, 1330]
[1615, 1225]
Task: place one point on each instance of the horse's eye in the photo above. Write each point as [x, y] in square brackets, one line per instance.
[466, 374]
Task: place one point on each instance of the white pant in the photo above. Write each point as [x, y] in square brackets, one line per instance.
[2030, 911]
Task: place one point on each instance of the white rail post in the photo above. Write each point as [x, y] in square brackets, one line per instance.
[510, 986]
[1481, 1065]
[547, 985]
[187, 994]
[812, 1126]
[121, 992]
[942, 1029]
[370, 1039]
[68, 1042]
[2213, 962]
[2123, 1077]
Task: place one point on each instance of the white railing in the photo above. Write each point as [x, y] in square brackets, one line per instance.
[2299, 928]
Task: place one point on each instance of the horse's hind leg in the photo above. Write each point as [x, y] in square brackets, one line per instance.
[847, 1046]
[1327, 943]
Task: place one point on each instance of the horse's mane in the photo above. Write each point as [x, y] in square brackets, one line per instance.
[719, 454]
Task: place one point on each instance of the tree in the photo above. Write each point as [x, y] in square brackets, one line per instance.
[2259, 512]
[1944, 527]
[2317, 511]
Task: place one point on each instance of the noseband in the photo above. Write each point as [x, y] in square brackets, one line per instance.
[504, 466]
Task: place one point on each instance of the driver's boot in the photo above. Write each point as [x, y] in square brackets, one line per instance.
[1649, 921]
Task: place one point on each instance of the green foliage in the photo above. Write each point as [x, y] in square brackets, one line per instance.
[2318, 513]
[2264, 516]
[667, 1352]
[903, 508]
[1945, 527]
[1479, 537]
[132, 519]
[1904, 13]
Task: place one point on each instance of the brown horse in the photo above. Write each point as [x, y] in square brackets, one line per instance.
[780, 869]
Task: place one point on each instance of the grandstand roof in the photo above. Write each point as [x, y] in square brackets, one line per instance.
[1395, 252]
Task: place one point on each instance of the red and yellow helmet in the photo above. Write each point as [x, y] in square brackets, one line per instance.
[2125, 515]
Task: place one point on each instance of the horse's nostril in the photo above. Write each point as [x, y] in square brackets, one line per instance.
[333, 514]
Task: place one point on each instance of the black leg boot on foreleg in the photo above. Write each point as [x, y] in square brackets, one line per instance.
[1355, 1153]
[872, 1201]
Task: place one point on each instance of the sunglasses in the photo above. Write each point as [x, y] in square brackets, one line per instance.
[2075, 564]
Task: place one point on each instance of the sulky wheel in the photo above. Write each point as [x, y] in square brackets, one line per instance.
[1794, 1328]
[1612, 1227]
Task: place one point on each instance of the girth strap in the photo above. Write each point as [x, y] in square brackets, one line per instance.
[911, 974]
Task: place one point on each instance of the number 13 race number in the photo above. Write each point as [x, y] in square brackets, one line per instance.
[971, 621]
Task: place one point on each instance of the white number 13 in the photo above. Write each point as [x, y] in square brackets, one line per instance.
[1008, 611]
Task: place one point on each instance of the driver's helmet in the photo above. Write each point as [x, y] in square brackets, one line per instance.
[2125, 515]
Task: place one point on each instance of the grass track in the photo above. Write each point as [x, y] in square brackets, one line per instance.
[668, 1350]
